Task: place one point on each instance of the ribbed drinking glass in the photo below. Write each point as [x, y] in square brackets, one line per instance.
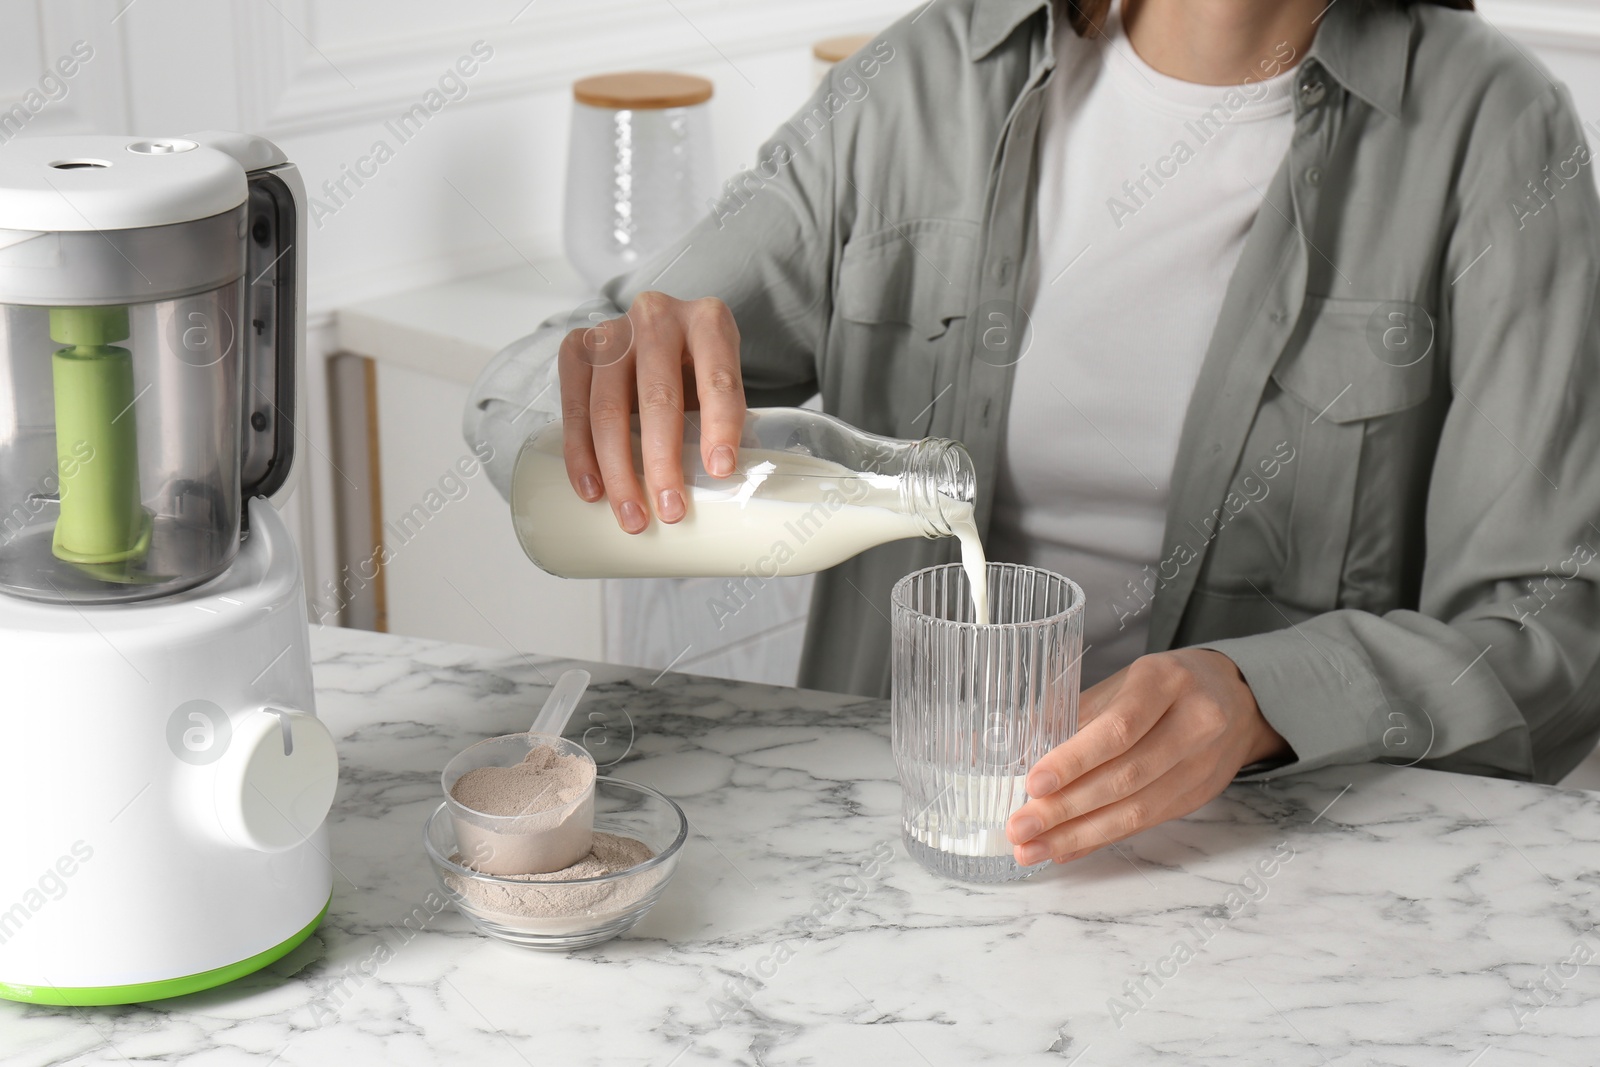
[975, 706]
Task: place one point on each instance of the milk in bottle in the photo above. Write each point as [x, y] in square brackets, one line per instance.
[808, 492]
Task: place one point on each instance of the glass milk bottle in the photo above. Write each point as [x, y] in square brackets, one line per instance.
[808, 492]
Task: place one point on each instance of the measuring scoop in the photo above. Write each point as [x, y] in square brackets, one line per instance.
[534, 827]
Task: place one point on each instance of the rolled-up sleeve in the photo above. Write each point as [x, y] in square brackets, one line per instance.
[1498, 663]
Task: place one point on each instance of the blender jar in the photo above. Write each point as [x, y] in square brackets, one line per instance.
[127, 333]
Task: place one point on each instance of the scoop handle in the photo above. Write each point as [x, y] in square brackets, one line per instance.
[562, 702]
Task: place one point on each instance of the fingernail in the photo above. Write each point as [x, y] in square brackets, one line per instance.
[670, 504]
[1027, 855]
[1026, 828]
[633, 517]
[721, 461]
[589, 487]
[1043, 784]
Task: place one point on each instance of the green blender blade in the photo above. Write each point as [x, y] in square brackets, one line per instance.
[102, 520]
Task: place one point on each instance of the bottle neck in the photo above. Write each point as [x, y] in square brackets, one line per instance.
[940, 485]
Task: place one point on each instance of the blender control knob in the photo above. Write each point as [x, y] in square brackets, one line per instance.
[276, 782]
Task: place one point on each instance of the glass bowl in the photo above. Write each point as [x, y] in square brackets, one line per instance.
[576, 912]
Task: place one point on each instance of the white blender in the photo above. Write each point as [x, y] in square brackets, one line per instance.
[165, 775]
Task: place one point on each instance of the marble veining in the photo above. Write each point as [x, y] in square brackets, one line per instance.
[1355, 915]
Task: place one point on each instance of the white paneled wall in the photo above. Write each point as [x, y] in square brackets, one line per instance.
[326, 79]
[323, 77]
[38, 40]
[1565, 34]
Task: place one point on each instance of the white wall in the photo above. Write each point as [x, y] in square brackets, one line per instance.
[322, 76]
[1565, 35]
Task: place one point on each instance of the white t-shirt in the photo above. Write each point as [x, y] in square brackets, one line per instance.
[1147, 188]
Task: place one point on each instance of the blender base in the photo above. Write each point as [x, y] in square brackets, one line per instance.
[171, 793]
[103, 996]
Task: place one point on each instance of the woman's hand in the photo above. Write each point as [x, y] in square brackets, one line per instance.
[1158, 739]
[651, 360]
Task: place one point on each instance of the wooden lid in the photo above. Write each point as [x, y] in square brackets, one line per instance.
[834, 49]
[641, 90]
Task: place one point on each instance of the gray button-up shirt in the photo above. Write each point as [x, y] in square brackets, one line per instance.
[1386, 503]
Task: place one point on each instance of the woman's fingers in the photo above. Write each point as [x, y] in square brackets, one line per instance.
[1207, 726]
[611, 417]
[1098, 828]
[1144, 694]
[647, 361]
[1156, 753]
[1155, 803]
[577, 441]
[1094, 699]
[713, 343]
[659, 342]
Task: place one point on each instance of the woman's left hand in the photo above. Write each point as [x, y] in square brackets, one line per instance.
[1157, 740]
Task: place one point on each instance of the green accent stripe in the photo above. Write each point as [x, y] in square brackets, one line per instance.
[95, 996]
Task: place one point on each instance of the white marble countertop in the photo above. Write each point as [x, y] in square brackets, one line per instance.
[1404, 916]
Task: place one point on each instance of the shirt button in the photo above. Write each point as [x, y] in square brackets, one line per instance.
[1312, 93]
[1314, 176]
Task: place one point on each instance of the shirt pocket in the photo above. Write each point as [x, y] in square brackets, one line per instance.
[901, 295]
[1356, 382]
[1359, 359]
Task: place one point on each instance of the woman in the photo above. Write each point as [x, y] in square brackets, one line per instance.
[1273, 322]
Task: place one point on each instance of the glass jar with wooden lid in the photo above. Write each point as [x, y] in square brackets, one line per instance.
[639, 168]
